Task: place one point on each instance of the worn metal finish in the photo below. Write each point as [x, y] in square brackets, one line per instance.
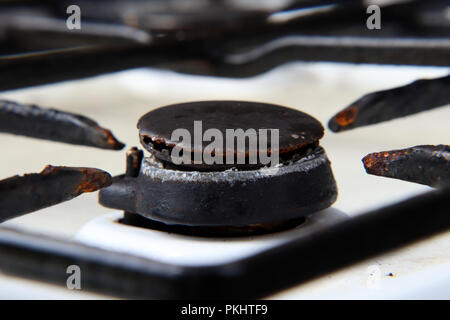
[297, 130]
[54, 125]
[134, 159]
[348, 242]
[394, 103]
[23, 194]
[226, 198]
[428, 165]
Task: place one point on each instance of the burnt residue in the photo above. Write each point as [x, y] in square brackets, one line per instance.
[23, 194]
[50, 124]
[395, 103]
[425, 164]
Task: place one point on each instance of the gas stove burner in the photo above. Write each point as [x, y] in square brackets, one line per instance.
[235, 195]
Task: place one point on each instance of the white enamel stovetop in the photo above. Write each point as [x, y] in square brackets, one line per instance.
[421, 270]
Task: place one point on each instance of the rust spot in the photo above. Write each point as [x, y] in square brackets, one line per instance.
[49, 169]
[92, 180]
[369, 161]
[133, 156]
[53, 185]
[376, 163]
[112, 141]
[157, 143]
[158, 140]
[54, 125]
[379, 163]
[346, 116]
[412, 164]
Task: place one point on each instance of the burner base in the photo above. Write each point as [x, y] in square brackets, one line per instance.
[224, 199]
[136, 220]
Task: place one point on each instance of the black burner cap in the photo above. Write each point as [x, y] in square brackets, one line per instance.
[297, 130]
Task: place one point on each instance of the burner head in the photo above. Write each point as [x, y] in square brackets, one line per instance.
[226, 196]
[296, 130]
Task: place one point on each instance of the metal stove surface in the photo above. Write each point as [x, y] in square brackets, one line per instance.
[420, 270]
